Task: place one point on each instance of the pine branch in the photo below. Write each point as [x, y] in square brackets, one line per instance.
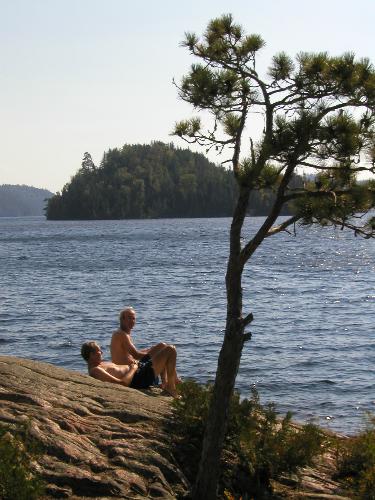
[281, 89]
[247, 320]
[333, 168]
[253, 244]
[361, 231]
[315, 194]
[237, 144]
[283, 226]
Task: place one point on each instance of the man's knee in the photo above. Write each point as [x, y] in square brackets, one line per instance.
[157, 348]
[172, 350]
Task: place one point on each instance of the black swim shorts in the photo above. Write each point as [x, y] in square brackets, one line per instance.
[144, 359]
[144, 377]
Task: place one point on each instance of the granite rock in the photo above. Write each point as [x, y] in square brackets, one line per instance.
[99, 440]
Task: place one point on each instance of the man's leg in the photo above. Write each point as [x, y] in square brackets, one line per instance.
[177, 378]
[165, 360]
[155, 350]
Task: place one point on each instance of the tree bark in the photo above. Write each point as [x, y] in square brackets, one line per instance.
[229, 360]
[209, 468]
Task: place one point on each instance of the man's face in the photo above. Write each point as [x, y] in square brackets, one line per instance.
[96, 355]
[129, 319]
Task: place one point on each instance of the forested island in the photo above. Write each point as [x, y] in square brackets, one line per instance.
[155, 180]
[21, 200]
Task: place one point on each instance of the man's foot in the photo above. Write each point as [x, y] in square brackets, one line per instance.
[171, 391]
[164, 385]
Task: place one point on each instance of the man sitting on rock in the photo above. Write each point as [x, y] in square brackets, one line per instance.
[132, 375]
[123, 351]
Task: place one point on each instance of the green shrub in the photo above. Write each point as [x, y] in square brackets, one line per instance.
[17, 450]
[258, 446]
[356, 462]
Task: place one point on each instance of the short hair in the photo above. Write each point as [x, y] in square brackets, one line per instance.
[123, 314]
[87, 348]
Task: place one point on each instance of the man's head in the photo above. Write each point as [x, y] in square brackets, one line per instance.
[127, 319]
[90, 350]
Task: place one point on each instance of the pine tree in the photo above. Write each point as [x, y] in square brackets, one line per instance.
[87, 163]
[319, 113]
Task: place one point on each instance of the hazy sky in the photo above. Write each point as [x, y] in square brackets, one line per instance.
[89, 75]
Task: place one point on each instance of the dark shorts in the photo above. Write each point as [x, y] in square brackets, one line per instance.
[144, 377]
[144, 359]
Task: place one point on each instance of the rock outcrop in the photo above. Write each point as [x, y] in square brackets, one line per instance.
[99, 440]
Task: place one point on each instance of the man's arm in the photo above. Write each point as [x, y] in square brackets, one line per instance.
[131, 349]
[101, 374]
[129, 376]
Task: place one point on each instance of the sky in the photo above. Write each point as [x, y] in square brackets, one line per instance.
[90, 75]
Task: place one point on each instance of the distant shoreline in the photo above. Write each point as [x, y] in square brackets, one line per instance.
[22, 201]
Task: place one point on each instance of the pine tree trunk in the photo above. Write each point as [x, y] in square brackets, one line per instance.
[228, 364]
[229, 359]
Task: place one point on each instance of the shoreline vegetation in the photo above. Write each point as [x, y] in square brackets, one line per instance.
[149, 181]
[65, 434]
[264, 453]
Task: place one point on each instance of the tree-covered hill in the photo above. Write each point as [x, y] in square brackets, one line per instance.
[21, 200]
[149, 181]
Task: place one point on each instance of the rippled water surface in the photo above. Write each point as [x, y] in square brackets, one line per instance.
[312, 296]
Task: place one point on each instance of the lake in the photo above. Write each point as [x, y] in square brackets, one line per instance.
[312, 296]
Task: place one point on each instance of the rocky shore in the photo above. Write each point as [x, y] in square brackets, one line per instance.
[101, 440]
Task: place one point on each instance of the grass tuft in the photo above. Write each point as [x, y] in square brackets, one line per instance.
[17, 453]
[356, 462]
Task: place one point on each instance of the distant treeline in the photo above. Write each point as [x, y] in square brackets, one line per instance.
[150, 181]
[21, 200]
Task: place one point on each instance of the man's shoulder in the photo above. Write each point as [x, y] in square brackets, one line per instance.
[121, 336]
[94, 370]
[120, 333]
[102, 366]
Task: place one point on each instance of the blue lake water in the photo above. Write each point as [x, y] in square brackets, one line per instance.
[312, 296]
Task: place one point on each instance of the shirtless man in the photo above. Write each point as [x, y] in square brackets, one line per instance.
[131, 375]
[123, 351]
